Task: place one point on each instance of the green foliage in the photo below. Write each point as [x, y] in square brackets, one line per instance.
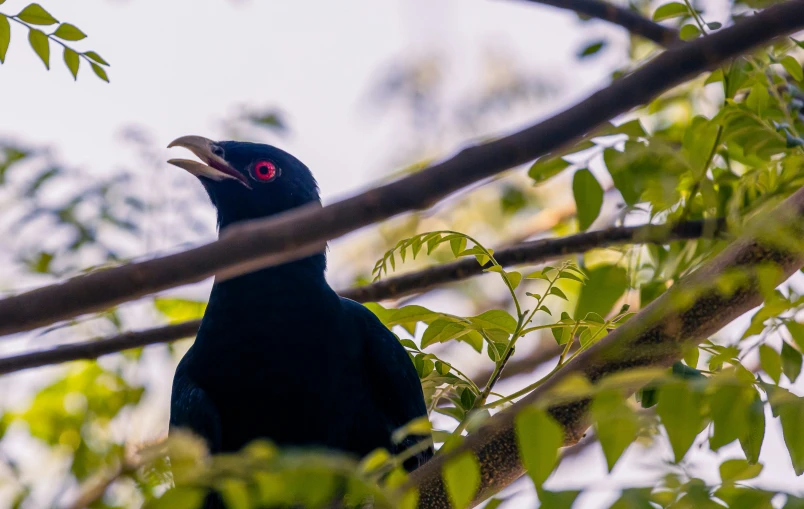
[35, 15]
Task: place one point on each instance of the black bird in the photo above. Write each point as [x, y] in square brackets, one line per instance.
[279, 354]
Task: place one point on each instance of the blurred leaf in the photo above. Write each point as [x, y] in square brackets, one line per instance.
[791, 413]
[539, 438]
[35, 14]
[69, 32]
[797, 332]
[547, 167]
[180, 310]
[679, 408]
[616, 425]
[738, 470]
[183, 497]
[730, 407]
[588, 197]
[793, 67]
[462, 477]
[671, 10]
[606, 284]
[592, 48]
[557, 499]
[791, 361]
[41, 45]
[689, 32]
[771, 362]
[751, 442]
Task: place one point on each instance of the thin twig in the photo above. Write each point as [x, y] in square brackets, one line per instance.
[630, 20]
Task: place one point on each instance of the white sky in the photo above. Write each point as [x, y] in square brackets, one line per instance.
[182, 66]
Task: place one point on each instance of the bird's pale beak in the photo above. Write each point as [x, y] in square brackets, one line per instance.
[212, 166]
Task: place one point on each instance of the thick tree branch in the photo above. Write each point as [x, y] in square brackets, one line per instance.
[631, 21]
[249, 246]
[686, 314]
[527, 252]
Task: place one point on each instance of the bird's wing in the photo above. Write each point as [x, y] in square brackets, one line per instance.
[191, 408]
[394, 378]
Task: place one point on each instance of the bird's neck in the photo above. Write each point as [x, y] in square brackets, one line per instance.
[285, 288]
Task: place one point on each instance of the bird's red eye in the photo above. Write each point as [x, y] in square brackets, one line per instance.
[264, 171]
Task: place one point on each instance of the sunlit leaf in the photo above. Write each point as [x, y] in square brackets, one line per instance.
[462, 477]
[69, 32]
[793, 67]
[606, 284]
[588, 197]
[670, 10]
[738, 470]
[539, 438]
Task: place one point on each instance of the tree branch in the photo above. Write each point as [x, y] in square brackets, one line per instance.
[246, 247]
[631, 21]
[689, 312]
[527, 252]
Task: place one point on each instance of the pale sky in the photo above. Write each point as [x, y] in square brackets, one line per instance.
[182, 67]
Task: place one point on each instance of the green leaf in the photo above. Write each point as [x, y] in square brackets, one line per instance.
[751, 442]
[36, 15]
[442, 330]
[797, 332]
[97, 58]
[730, 409]
[514, 278]
[714, 25]
[588, 197]
[557, 499]
[558, 293]
[100, 72]
[41, 45]
[791, 361]
[616, 425]
[539, 438]
[72, 61]
[182, 497]
[671, 10]
[771, 362]
[792, 66]
[69, 32]
[606, 284]
[458, 245]
[591, 49]
[5, 37]
[495, 319]
[738, 470]
[462, 477]
[547, 167]
[679, 408]
[689, 32]
[791, 413]
[180, 310]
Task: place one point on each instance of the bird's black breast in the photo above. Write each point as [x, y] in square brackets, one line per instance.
[300, 367]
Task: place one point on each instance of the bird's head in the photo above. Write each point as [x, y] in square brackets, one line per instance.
[247, 180]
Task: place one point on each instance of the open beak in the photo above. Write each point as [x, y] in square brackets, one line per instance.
[211, 166]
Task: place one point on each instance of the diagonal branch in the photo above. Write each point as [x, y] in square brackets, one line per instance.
[631, 21]
[689, 312]
[250, 246]
[527, 252]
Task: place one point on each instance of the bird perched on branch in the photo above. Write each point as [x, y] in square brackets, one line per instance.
[279, 354]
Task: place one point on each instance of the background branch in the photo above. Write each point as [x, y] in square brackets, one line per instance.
[527, 252]
[249, 246]
[630, 20]
[656, 336]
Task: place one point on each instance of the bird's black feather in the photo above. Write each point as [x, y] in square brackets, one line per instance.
[280, 355]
